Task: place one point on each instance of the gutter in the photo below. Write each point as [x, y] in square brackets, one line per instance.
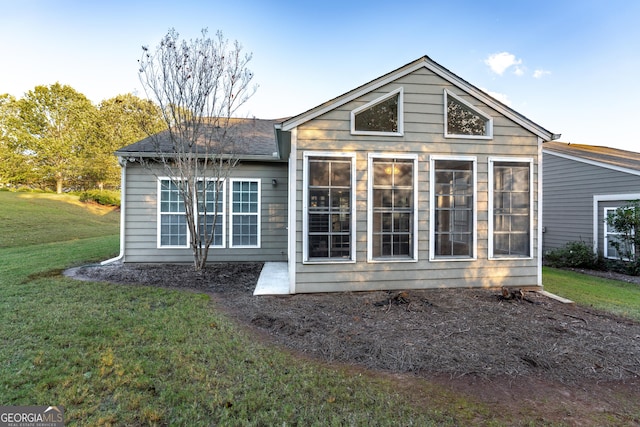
[123, 180]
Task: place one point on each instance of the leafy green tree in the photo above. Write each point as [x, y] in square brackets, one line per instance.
[626, 220]
[57, 121]
[16, 163]
[120, 121]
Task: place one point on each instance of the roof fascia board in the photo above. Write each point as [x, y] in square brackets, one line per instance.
[592, 162]
[437, 69]
[253, 158]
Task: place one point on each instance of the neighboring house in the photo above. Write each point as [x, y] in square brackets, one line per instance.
[582, 184]
[417, 179]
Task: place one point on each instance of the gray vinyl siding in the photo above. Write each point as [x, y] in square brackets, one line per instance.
[423, 136]
[569, 190]
[141, 244]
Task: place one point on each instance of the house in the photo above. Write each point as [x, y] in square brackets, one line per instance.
[417, 179]
[582, 184]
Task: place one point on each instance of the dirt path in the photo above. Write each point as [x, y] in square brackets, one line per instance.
[524, 357]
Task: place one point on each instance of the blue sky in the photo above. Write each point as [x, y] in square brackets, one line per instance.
[573, 67]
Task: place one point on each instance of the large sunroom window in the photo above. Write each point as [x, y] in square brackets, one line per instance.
[382, 116]
[453, 208]
[328, 224]
[463, 120]
[510, 205]
[392, 212]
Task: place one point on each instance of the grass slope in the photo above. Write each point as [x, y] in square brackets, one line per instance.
[36, 218]
[126, 355]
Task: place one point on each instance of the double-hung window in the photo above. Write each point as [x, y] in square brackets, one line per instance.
[245, 213]
[392, 215]
[211, 211]
[614, 240]
[328, 224]
[172, 220]
[510, 206]
[453, 212]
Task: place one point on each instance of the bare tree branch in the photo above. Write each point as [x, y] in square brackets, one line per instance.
[199, 85]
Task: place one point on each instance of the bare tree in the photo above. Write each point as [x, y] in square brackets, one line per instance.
[199, 85]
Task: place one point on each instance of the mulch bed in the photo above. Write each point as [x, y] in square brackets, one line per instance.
[446, 332]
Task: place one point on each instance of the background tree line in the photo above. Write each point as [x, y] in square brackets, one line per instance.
[54, 137]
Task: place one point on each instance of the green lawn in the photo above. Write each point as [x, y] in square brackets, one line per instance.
[609, 295]
[125, 355]
[134, 355]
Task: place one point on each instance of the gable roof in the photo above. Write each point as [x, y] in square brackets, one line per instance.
[612, 158]
[253, 139]
[428, 63]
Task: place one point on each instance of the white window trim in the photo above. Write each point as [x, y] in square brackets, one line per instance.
[233, 214]
[159, 214]
[432, 213]
[305, 208]
[376, 101]
[493, 160]
[597, 198]
[489, 134]
[605, 240]
[371, 158]
[188, 245]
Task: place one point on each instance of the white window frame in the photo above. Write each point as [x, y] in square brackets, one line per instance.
[159, 244]
[159, 213]
[432, 213]
[528, 160]
[400, 132]
[233, 214]
[414, 248]
[475, 109]
[305, 208]
[606, 236]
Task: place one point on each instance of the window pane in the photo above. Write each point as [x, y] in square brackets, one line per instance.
[318, 173]
[206, 226]
[462, 120]
[381, 117]
[173, 230]
[341, 174]
[245, 230]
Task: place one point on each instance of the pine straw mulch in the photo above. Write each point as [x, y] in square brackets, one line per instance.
[456, 332]
[474, 338]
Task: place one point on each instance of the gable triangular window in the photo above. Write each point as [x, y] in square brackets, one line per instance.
[382, 116]
[463, 120]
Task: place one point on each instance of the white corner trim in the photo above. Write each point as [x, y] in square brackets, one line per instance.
[292, 232]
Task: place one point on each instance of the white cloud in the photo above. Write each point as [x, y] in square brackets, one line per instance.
[500, 62]
[538, 74]
[499, 96]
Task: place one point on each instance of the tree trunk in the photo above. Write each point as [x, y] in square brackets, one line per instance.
[59, 185]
